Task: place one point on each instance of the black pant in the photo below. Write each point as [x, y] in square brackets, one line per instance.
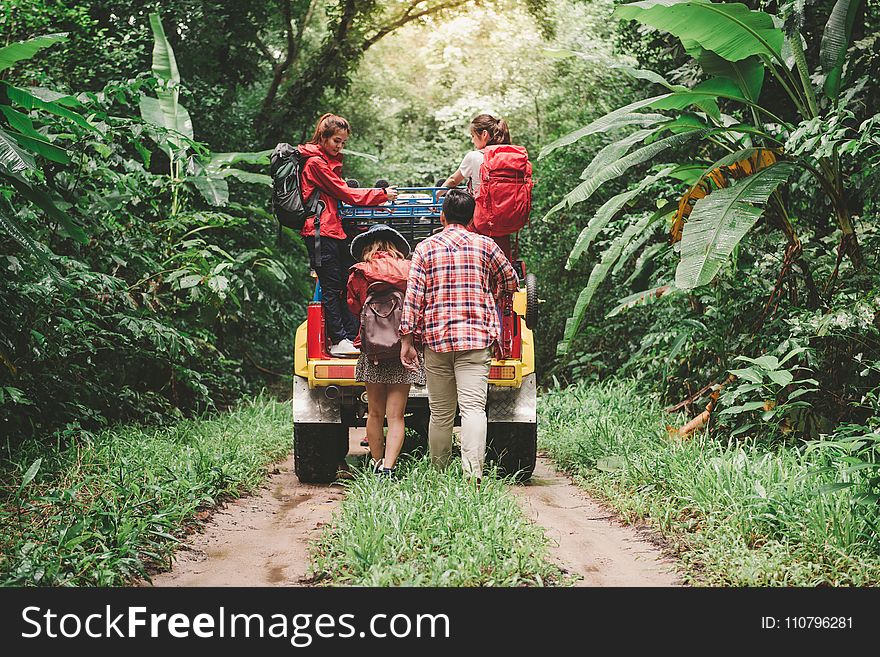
[333, 275]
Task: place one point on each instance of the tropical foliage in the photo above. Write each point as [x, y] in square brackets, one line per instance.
[137, 287]
[761, 141]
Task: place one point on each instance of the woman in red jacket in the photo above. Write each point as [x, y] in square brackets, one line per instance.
[381, 252]
[322, 172]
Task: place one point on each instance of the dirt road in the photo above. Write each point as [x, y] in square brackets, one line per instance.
[588, 540]
[263, 540]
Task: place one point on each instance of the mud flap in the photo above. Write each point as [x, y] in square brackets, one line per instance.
[311, 404]
[514, 404]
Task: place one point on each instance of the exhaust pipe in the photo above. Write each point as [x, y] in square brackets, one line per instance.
[331, 392]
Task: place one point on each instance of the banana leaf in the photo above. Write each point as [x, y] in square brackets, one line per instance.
[644, 298]
[246, 176]
[45, 203]
[644, 258]
[619, 118]
[173, 117]
[13, 157]
[220, 160]
[637, 243]
[720, 220]
[685, 122]
[30, 138]
[604, 214]
[367, 156]
[16, 52]
[615, 150]
[688, 173]
[747, 74]
[835, 41]
[731, 30]
[599, 272]
[586, 189]
[164, 64]
[214, 190]
[165, 111]
[43, 148]
[51, 96]
[29, 101]
[39, 251]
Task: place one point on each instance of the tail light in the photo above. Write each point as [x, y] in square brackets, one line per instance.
[502, 372]
[334, 371]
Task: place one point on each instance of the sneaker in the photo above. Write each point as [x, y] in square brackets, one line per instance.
[376, 466]
[345, 347]
[388, 473]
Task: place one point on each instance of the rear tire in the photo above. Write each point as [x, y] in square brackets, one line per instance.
[531, 301]
[513, 448]
[318, 449]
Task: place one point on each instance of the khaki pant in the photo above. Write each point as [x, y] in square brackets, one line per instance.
[462, 378]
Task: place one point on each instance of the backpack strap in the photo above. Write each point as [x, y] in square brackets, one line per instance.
[320, 210]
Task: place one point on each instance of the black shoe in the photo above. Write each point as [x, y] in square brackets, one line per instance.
[388, 473]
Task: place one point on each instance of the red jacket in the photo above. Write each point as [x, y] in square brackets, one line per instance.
[383, 267]
[322, 171]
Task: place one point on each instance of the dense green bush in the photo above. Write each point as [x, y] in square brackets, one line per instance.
[127, 295]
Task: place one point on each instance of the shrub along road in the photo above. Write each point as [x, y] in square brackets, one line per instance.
[266, 539]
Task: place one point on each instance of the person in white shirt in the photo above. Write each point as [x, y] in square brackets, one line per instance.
[486, 130]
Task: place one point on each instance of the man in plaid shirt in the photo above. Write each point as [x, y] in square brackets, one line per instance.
[455, 278]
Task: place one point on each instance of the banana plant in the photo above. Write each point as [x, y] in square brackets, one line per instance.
[22, 146]
[188, 162]
[736, 48]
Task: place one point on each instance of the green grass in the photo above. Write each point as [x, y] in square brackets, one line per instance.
[104, 508]
[738, 513]
[431, 528]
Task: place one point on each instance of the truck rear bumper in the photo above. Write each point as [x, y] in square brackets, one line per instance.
[504, 403]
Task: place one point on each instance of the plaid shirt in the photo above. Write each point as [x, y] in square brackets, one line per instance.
[454, 279]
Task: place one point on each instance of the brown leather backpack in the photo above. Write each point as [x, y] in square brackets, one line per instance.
[380, 321]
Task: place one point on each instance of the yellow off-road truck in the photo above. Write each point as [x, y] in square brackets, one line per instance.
[327, 401]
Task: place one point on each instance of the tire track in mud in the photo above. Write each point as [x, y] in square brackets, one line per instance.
[587, 539]
[259, 540]
[264, 539]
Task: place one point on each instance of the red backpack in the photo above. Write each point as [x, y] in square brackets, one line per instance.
[504, 199]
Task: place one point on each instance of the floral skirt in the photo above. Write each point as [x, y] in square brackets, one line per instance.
[389, 373]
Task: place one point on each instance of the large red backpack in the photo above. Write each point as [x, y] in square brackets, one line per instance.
[504, 198]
